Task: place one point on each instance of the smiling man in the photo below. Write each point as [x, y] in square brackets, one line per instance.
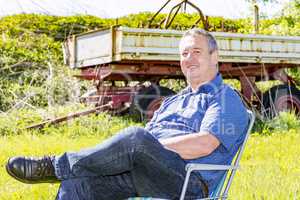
[204, 123]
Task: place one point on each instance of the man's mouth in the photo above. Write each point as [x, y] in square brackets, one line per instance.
[192, 67]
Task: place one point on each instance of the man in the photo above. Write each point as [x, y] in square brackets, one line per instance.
[204, 123]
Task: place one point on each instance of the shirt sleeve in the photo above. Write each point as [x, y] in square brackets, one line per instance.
[226, 118]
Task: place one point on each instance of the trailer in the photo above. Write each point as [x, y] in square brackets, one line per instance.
[121, 61]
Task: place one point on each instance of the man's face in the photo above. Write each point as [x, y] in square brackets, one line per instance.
[197, 64]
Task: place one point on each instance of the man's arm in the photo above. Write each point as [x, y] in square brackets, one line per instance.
[192, 146]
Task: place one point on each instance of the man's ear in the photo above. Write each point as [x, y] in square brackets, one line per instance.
[214, 57]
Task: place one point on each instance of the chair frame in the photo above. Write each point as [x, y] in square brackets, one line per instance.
[220, 193]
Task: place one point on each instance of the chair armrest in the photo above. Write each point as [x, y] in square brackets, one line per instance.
[194, 166]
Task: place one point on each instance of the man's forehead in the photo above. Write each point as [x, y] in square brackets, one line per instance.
[193, 42]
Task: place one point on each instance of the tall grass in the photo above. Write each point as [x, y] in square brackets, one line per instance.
[283, 122]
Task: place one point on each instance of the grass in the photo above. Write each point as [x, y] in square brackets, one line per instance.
[35, 145]
[269, 166]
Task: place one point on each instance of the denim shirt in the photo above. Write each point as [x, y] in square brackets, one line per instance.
[215, 108]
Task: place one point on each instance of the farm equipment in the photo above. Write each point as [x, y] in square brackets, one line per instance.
[139, 55]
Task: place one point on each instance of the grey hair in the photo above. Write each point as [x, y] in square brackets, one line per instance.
[211, 41]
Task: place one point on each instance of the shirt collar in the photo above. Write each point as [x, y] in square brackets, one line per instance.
[210, 87]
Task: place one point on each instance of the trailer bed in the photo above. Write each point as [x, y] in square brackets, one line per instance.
[129, 45]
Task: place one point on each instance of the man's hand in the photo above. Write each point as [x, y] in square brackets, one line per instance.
[192, 146]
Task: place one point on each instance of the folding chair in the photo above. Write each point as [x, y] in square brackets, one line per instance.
[221, 191]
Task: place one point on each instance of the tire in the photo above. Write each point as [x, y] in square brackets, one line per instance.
[281, 98]
[147, 100]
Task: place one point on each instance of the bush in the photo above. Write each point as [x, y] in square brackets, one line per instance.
[285, 121]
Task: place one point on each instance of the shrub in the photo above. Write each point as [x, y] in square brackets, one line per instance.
[285, 121]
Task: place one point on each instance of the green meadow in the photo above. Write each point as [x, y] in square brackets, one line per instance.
[269, 166]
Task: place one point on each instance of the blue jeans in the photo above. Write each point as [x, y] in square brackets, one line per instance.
[131, 163]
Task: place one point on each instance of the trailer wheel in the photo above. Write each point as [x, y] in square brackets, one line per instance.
[147, 100]
[281, 98]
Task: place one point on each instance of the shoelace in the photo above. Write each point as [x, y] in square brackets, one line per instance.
[45, 167]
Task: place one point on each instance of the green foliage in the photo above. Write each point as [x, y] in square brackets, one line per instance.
[185, 21]
[31, 59]
[281, 123]
[52, 26]
[32, 73]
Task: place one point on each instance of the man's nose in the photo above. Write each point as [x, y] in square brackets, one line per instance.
[189, 57]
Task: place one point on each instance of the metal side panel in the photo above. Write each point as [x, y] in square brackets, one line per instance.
[93, 48]
[150, 44]
[120, 44]
[258, 48]
[156, 45]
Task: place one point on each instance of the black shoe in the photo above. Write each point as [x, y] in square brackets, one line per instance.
[32, 170]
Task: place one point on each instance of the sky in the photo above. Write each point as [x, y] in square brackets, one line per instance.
[117, 8]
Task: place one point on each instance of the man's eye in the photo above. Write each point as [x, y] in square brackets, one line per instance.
[184, 54]
[197, 51]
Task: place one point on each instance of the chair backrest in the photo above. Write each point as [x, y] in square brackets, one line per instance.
[222, 189]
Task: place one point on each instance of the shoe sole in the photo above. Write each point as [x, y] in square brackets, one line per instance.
[26, 181]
